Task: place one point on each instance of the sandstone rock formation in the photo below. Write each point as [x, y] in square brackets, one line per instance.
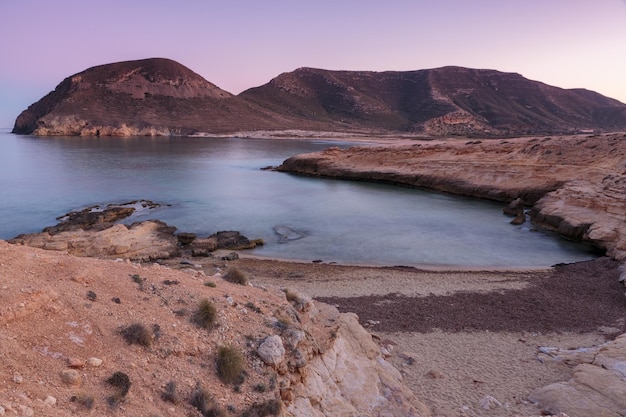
[161, 97]
[96, 232]
[84, 307]
[598, 384]
[146, 241]
[575, 184]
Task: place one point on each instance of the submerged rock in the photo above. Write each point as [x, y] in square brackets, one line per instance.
[286, 233]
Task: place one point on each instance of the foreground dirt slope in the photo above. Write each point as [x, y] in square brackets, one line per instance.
[575, 184]
[62, 343]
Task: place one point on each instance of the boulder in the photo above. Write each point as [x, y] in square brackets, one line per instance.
[232, 240]
[271, 350]
[185, 238]
[514, 208]
[597, 386]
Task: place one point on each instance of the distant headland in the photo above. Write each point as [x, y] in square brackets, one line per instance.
[160, 97]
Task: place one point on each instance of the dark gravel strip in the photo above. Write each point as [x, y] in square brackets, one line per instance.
[576, 297]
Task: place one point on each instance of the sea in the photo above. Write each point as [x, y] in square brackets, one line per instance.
[206, 185]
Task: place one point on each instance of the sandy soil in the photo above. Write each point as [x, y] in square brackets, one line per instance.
[459, 336]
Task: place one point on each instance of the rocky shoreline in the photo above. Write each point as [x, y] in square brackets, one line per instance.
[468, 343]
[574, 185]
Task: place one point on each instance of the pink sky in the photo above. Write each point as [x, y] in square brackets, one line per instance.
[238, 44]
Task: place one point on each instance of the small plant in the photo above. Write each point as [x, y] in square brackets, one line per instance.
[230, 365]
[91, 296]
[170, 393]
[121, 381]
[210, 284]
[204, 403]
[137, 334]
[206, 314]
[260, 387]
[85, 400]
[264, 409]
[138, 280]
[236, 276]
[253, 307]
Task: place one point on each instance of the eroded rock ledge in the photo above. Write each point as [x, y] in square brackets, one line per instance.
[576, 185]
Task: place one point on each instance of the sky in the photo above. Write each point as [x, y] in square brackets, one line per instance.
[239, 44]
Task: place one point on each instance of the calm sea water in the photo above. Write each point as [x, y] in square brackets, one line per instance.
[217, 184]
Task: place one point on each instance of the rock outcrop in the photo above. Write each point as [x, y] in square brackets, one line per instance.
[575, 185]
[145, 241]
[161, 97]
[119, 337]
[97, 232]
[598, 384]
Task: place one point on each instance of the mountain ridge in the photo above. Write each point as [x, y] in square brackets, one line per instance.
[158, 96]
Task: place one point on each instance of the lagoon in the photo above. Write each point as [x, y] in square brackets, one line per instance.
[213, 184]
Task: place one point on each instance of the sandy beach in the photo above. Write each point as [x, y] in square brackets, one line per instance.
[459, 337]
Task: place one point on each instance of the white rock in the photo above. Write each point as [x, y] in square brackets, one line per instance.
[271, 350]
[1, 410]
[50, 401]
[489, 403]
[95, 362]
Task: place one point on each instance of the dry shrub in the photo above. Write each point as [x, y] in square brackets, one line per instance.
[236, 276]
[264, 409]
[121, 381]
[206, 314]
[137, 334]
[170, 393]
[85, 400]
[230, 365]
[204, 403]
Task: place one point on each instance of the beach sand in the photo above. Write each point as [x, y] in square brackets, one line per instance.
[461, 336]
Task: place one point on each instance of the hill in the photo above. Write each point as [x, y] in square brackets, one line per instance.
[147, 97]
[85, 336]
[162, 97]
[442, 101]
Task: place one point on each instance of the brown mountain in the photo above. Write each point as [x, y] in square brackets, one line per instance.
[449, 100]
[146, 97]
[161, 97]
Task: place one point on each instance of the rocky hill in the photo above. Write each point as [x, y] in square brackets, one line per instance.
[442, 101]
[146, 97]
[84, 336]
[161, 97]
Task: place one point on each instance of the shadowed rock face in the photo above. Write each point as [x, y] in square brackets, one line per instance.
[162, 97]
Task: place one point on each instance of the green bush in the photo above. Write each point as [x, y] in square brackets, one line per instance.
[206, 314]
[230, 365]
[137, 334]
[236, 276]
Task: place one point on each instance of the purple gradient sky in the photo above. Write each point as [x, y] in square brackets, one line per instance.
[238, 44]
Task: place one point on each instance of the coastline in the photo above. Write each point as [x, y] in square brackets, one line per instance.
[450, 367]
